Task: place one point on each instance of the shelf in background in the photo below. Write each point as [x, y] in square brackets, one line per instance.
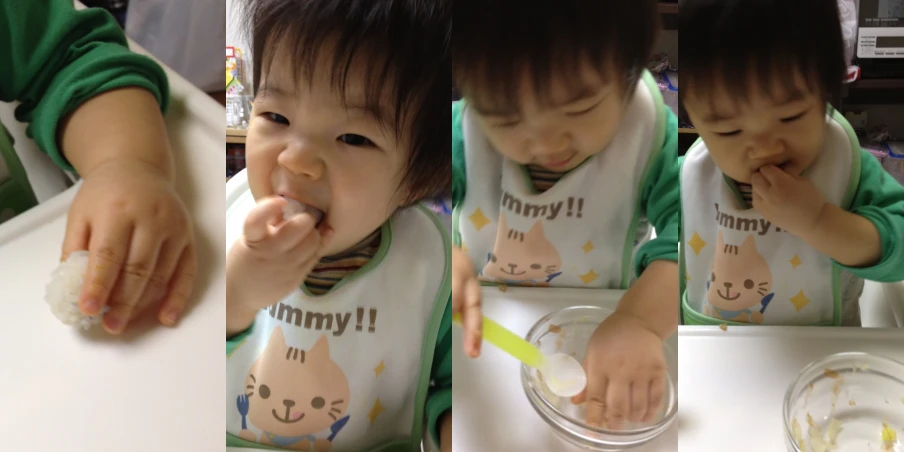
[236, 135]
[667, 8]
[878, 83]
[669, 13]
[687, 130]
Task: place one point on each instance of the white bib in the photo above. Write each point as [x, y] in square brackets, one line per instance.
[740, 268]
[350, 368]
[583, 231]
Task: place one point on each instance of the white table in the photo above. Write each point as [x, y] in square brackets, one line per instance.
[488, 402]
[154, 389]
[733, 382]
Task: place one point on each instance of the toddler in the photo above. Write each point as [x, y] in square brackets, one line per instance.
[96, 108]
[783, 213]
[563, 157]
[337, 313]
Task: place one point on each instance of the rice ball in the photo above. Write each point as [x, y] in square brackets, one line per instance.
[293, 208]
[64, 290]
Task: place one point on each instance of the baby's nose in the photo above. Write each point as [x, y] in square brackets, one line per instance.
[763, 150]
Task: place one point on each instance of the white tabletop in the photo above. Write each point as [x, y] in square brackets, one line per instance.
[488, 402]
[733, 382]
[154, 389]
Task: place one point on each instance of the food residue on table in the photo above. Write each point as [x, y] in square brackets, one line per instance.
[889, 437]
[834, 375]
[807, 395]
[798, 436]
[502, 288]
[818, 442]
[554, 328]
[723, 327]
[852, 403]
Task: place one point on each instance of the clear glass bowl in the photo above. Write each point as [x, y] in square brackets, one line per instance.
[848, 399]
[567, 331]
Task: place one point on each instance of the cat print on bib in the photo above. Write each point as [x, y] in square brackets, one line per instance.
[740, 283]
[297, 398]
[522, 258]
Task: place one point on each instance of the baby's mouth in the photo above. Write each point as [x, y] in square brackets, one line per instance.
[728, 296]
[294, 207]
[290, 418]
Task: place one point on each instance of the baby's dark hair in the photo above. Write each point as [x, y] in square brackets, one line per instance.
[735, 43]
[495, 41]
[404, 45]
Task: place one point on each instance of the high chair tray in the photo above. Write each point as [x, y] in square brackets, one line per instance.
[489, 404]
[153, 389]
[733, 382]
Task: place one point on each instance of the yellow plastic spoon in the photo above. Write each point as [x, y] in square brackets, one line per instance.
[564, 375]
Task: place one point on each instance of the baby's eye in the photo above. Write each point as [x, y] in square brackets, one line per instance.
[584, 111]
[728, 134]
[506, 124]
[352, 139]
[794, 118]
[277, 118]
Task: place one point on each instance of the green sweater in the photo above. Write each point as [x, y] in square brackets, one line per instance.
[660, 193]
[53, 58]
[880, 199]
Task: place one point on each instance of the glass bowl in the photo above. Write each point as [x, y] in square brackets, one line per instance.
[849, 399]
[567, 331]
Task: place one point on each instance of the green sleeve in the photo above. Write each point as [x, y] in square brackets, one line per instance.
[458, 155]
[234, 341]
[53, 58]
[880, 199]
[661, 194]
[439, 399]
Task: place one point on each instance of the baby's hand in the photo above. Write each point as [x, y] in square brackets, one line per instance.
[466, 300]
[626, 373]
[140, 241]
[791, 203]
[274, 255]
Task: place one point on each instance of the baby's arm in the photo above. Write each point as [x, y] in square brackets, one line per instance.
[439, 399]
[58, 60]
[626, 369]
[848, 238]
[90, 101]
[862, 239]
[868, 236]
[654, 296]
[445, 434]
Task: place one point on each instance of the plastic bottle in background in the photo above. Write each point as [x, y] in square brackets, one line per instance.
[894, 161]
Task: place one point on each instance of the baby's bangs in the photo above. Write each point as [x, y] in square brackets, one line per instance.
[776, 78]
[355, 36]
[745, 44]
